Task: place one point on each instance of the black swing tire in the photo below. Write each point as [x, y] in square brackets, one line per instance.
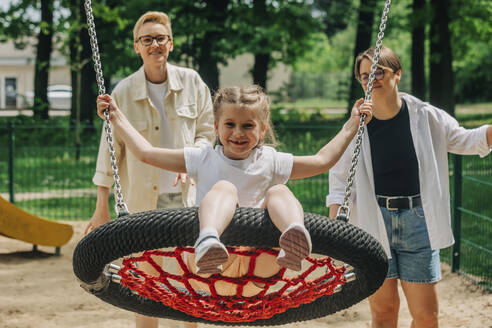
[249, 227]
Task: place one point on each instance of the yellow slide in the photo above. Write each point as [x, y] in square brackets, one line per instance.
[18, 224]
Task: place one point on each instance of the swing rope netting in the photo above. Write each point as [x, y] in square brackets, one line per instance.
[292, 292]
[315, 292]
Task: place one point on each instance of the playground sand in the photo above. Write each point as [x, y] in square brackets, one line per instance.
[40, 291]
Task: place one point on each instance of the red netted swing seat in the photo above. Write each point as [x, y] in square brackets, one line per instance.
[320, 289]
[290, 291]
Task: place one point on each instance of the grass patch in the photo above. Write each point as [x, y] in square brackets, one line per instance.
[485, 108]
[74, 208]
[49, 168]
[314, 103]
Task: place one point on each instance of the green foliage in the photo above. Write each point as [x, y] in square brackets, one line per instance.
[473, 74]
[472, 45]
[335, 15]
[282, 29]
[16, 24]
[329, 57]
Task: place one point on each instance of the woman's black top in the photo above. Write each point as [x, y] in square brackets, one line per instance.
[394, 162]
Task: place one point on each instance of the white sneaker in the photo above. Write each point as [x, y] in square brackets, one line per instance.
[210, 254]
[295, 243]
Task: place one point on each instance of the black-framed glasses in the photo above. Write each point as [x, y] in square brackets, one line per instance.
[378, 76]
[147, 40]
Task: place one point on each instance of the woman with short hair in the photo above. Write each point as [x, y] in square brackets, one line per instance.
[401, 188]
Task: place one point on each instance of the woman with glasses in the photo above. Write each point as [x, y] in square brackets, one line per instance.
[171, 107]
[401, 188]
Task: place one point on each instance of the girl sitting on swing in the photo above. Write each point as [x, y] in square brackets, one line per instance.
[241, 171]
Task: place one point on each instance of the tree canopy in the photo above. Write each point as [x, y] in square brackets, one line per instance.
[318, 38]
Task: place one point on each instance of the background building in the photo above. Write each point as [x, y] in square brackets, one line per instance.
[17, 74]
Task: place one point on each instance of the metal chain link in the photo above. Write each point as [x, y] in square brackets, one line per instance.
[344, 209]
[120, 207]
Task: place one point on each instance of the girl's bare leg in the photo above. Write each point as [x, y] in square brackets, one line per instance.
[218, 207]
[288, 216]
[190, 325]
[283, 207]
[215, 214]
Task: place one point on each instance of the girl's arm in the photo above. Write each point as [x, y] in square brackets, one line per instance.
[167, 159]
[308, 166]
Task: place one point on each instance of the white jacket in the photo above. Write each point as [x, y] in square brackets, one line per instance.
[434, 134]
[188, 106]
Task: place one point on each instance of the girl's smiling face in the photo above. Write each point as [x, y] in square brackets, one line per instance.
[239, 130]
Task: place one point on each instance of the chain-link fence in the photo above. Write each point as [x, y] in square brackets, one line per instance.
[471, 185]
[46, 172]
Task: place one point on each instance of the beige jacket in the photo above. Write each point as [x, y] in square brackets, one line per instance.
[188, 106]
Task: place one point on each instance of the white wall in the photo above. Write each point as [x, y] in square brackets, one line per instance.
[19, 64]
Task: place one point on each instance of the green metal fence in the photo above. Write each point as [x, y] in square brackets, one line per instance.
[44, 171]
[471, 255]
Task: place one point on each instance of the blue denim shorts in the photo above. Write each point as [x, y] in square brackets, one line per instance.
[412, 258]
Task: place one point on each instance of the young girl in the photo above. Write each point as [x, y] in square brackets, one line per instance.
[241, 171]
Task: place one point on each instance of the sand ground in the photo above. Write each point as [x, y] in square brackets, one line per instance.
[40, 291]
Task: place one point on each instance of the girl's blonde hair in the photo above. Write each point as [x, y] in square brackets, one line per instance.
[387, 59]
[152, 17]
[251, 98]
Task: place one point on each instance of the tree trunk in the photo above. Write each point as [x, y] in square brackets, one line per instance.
[74, 43]
[260, 70]
[73, 78]
[441, 70]
[207, 61]
[42, 66]
[362, 42]
[418, 49]
[260, 66]
[88, 84]
[208, 64]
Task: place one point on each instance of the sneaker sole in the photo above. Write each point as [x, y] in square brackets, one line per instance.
[211, 261]
[296, 248]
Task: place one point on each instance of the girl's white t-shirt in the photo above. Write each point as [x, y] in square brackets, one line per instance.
[253, 176]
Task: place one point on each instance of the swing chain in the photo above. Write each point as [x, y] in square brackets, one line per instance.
[120, 207]
[344, 210]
